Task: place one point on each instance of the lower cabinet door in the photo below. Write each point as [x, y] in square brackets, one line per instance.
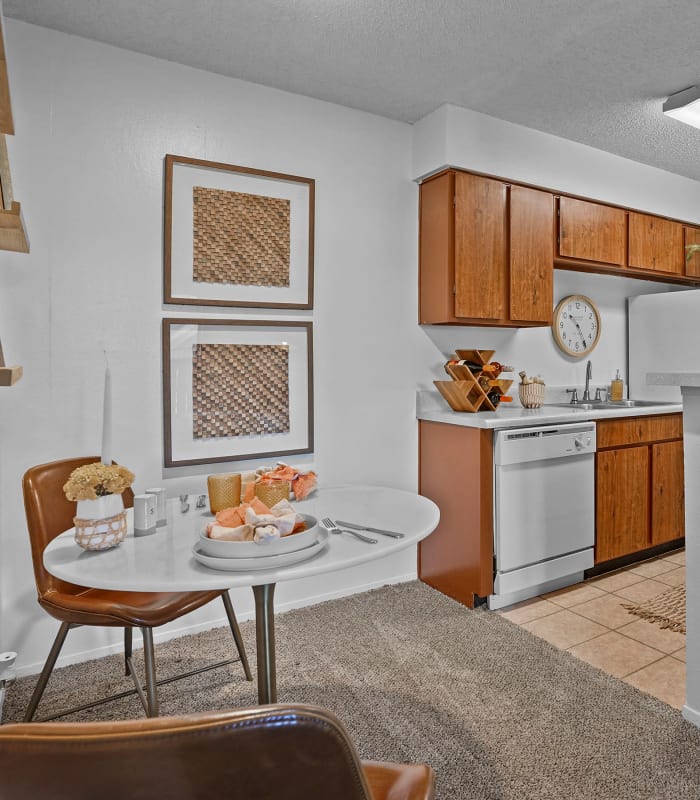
[622, 502]
[667, 505]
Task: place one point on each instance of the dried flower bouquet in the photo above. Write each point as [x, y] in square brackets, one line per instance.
[97, 480]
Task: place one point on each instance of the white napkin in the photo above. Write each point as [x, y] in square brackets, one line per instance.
[284, 523]
[244, 533]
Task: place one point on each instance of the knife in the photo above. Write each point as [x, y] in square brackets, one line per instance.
[393, 534]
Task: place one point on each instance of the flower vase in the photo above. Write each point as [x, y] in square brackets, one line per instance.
[101, 523]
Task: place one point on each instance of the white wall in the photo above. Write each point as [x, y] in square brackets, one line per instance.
[458, 137]
[93, 124]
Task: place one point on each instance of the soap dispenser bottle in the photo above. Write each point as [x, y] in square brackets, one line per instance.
[617, 387]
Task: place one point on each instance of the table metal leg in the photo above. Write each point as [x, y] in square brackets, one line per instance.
[265, 642]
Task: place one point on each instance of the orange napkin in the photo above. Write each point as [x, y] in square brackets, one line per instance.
[233, 517]
[302, 483]
[254, 521]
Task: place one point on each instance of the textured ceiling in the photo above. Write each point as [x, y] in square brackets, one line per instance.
[595, 71]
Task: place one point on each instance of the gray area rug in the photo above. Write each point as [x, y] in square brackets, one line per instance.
[498, 713]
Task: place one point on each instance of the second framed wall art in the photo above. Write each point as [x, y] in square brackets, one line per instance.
[236, 389]
[236, 236]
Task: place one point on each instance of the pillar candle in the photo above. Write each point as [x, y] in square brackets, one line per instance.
[107, 419]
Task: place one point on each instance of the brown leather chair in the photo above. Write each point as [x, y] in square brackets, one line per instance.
[48, 514]
[288, 752]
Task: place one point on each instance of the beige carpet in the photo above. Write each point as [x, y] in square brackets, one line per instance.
[666, 610]
[499, 713]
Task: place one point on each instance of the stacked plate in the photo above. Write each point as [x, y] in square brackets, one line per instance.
[254, 556]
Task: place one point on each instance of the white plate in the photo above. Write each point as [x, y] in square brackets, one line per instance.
[220, 548]
[261, 563]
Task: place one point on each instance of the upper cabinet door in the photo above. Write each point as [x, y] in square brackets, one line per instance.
[692, 263]
[531, 254]
[655, 243]
[480, 255]
[591, 231]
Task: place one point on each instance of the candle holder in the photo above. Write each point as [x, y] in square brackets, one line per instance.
[224, 491]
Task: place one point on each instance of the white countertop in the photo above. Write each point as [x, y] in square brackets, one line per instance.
[432, 407]
[673, 378]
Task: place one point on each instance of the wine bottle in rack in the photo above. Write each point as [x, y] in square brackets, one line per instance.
[495, 397]
[472, 365]
[494, 368]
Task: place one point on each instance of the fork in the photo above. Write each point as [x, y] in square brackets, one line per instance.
[328, 523]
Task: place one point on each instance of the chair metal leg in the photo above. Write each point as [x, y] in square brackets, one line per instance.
[150, 665]
[48, 669]
[127, 649]
[236, 631]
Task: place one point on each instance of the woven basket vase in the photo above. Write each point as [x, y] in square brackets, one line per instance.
[100, 524]
[531, 394]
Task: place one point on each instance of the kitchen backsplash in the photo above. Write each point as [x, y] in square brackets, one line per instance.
[534, 350]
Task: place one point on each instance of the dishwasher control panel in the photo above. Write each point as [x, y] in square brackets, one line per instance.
[519, 445]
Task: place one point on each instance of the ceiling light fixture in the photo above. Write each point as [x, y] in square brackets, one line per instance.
[684, 106]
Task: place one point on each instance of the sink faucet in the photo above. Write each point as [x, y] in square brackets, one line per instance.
[586, 391]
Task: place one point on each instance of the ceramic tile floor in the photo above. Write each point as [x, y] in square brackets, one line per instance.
[588, 620]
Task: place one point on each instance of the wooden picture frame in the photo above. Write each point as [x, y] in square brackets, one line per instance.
[236, 389]
[237, 236]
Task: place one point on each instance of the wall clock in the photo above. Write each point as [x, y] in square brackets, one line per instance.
[576, 325]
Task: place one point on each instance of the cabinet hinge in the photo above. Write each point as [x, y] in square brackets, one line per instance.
[558, 211]
[454, 201]
[454, 289]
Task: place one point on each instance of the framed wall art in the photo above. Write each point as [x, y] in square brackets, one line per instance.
[236, 389]
[236, 236]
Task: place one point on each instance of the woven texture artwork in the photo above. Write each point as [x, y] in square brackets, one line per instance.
[239, 390]
[240, 238]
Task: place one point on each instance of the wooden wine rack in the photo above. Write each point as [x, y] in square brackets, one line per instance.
[463, 392]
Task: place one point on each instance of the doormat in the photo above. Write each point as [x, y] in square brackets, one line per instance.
[667, 610]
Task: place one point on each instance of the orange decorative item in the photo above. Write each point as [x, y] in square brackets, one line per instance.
[271, 492]
[301, 483]
[224, 491]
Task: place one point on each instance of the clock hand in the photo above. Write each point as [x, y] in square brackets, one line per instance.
[583, 338]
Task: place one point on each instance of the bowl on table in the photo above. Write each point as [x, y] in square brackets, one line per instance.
[286, 544]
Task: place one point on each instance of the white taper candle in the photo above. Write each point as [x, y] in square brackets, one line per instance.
[107, 419]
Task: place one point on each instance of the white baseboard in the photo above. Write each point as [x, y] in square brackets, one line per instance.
[692, 715]
[186, 630]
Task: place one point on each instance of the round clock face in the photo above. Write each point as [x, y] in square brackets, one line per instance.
[576, 325]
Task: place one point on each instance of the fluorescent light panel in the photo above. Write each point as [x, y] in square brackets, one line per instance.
[684, 106]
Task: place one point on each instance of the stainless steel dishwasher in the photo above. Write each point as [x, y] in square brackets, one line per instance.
[544, 509]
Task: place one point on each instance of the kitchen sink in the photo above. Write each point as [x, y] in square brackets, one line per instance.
[603, 404]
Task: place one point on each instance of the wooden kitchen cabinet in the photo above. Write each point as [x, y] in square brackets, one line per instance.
[667, 492]
[456, 473]
[591, 231]
[486, 252]
[622, 502]
[692, 262]
[639, 485]
[655, 243]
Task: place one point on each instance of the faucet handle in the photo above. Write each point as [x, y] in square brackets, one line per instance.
[598, 390]
[574, 395]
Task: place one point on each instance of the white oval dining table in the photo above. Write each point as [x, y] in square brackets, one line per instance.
[164, 562]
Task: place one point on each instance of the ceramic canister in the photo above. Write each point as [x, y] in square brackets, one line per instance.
[144, 514]
[160, 505]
